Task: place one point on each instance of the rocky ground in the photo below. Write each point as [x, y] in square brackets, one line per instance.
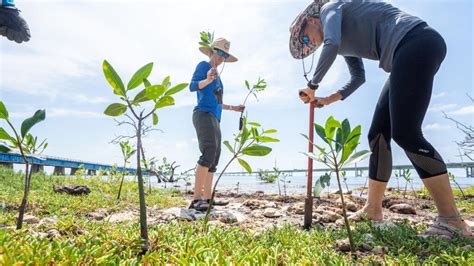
[258, 211]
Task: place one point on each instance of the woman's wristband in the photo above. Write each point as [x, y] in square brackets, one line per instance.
[312, 86]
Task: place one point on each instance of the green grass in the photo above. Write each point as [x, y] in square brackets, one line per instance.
[43, 202]
[91, 242]
[466, 203]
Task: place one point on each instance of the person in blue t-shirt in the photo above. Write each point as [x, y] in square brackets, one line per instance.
[12, 25]
[209, 89]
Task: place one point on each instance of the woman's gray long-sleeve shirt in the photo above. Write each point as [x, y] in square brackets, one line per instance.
[360, 29]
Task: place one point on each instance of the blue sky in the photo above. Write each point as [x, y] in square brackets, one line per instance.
[60, 70]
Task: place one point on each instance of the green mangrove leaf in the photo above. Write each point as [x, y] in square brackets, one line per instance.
[166, 82]
[39, 116]
[266, 139]
[245, 165]
[357, 157]
[139, 76]
[115, 109]
[256, 150]
[4, 135]
[321, 132]
[146, 82]
[113, 78]
[176, 89]
[255, 124]
[3, 111]
[164, 101]
[149, 93]
[270, 131]
[320, 184]
[331, 126]
[351, 143]
[4, 148]
[227, 144]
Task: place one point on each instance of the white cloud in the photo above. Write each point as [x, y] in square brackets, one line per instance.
[436, 126]
[438, 95]
[61, 112]
[466, 110]
[92, 30]
[442, 107]
[82, 98]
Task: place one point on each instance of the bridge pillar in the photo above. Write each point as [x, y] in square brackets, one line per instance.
[91, 172]
[59, 170]
[36, 168]
[7, 165]
[401, 173]
[469, 171]
[73, 171]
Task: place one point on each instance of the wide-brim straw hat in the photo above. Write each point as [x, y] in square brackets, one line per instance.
[221, 44]
[298, 49]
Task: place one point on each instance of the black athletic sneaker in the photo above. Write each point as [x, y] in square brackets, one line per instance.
[199, 205]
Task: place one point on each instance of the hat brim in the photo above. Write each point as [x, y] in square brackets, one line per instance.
[297, 49]
[207, 51]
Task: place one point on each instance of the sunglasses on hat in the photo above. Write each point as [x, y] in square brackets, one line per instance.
[222, 53]
[305, 39]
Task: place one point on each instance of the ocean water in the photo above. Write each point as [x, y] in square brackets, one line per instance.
[297, 184]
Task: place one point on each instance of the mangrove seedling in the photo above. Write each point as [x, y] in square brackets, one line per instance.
[127, 153]
[23, 142]
[408, 180]
[157, 96]
[453, 178]
[257, 87]
[342, 142]
[321, 183]
[248, 142]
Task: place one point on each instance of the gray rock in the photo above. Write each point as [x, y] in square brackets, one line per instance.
[179, 214]
[271, 213]
[329, 217]
[200, 215]
[271, 205]
[122, 217]
[343, 245]
[297, 208]
[229, 216]
[72, 189]
[96, 215]
[402, 208]
[257, 214]
[365, 247]
[48, 221]
[255, 204]
[350, 205]
[52, 233]
[388, 202]
[30, 219]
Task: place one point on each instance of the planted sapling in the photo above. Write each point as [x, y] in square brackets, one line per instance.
[342, 142]
[157, 96]
[24, 143]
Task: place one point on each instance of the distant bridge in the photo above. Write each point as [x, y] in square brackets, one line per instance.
[59, 164]
[469, 167]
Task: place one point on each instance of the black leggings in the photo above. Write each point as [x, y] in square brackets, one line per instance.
[403, 103]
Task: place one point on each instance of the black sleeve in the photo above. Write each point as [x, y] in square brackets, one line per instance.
[356, 69]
